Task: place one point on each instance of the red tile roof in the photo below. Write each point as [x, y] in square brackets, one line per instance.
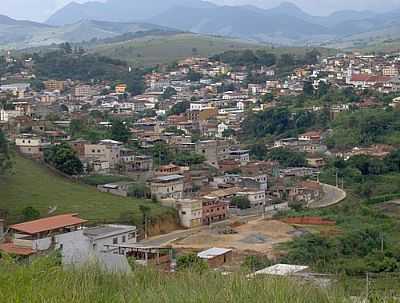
[11, 248]
[48, 224]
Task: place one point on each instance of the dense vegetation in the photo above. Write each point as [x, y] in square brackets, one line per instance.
[64, 158]
[5, 159]
[366, 236]
[284, 62]
[365, 127]
[66, 64]
[280, 122]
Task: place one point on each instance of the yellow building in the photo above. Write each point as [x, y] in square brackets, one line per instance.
[52, 85]
[121, 88]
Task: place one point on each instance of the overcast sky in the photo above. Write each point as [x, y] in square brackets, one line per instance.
[40, 10]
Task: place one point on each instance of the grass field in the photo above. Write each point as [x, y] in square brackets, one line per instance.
[44, 281]
[33, 185]
[163, 49]
[152, 50]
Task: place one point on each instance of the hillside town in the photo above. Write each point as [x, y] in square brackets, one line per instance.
[180, 144]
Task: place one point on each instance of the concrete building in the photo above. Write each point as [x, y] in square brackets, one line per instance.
[169, 186]
[257, 198]
[32, 237]
[118, 188]
[213, 150]
[108, 151]
[214, 210]
[190, 212]
[31, 145]
[82, 91]
[54, 85]
[216, 257]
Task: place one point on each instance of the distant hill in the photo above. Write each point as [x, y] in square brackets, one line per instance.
[26, 34]
[151, 48]
[285, 24]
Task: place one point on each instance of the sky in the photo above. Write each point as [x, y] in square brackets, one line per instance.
[40, 10]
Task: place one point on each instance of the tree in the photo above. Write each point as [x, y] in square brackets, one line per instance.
[168, 93]
[162, 154]
[29, 213]
[193, 76]
[312, 57]
[288, 158]
[145, 211]
[76, 127]
[287, 60]
[228, 133]
[308, 88]
[139, 190]
[270, 122]
[179, 108]
[119, 131]
[191, 262]
[5, 158]
[241, 202]
[259, 151]
[266, 98]
[64, 158]
[392, 161]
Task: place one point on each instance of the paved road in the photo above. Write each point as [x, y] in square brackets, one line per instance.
[332, 196]
[164, 240]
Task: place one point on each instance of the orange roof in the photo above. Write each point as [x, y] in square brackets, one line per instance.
[48, 224]
[11, 248]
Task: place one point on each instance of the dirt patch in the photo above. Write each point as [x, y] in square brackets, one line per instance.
[309, 221]
[256, 236]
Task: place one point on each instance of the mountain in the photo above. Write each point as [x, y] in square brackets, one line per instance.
[284, 24]
[240, 21]
[25, 34]
[118, 10]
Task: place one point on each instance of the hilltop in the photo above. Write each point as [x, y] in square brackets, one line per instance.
[163, 48]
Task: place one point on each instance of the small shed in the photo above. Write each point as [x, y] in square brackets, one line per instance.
[216, 257]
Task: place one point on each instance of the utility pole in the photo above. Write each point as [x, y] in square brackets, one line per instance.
[367, 288]
[337, 179]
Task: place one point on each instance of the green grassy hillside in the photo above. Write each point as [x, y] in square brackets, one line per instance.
[163, 49]
[33, 185]
[152, 50]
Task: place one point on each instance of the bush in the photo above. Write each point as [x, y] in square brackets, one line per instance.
[191, 262]
[29, 213]
[241, 202]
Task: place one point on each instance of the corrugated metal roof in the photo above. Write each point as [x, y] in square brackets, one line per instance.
[213, 252]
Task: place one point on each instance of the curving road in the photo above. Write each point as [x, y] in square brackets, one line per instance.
[332, 196]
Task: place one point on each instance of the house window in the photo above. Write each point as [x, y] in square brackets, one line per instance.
[123, 239]
[183, 213]
[115, 241]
